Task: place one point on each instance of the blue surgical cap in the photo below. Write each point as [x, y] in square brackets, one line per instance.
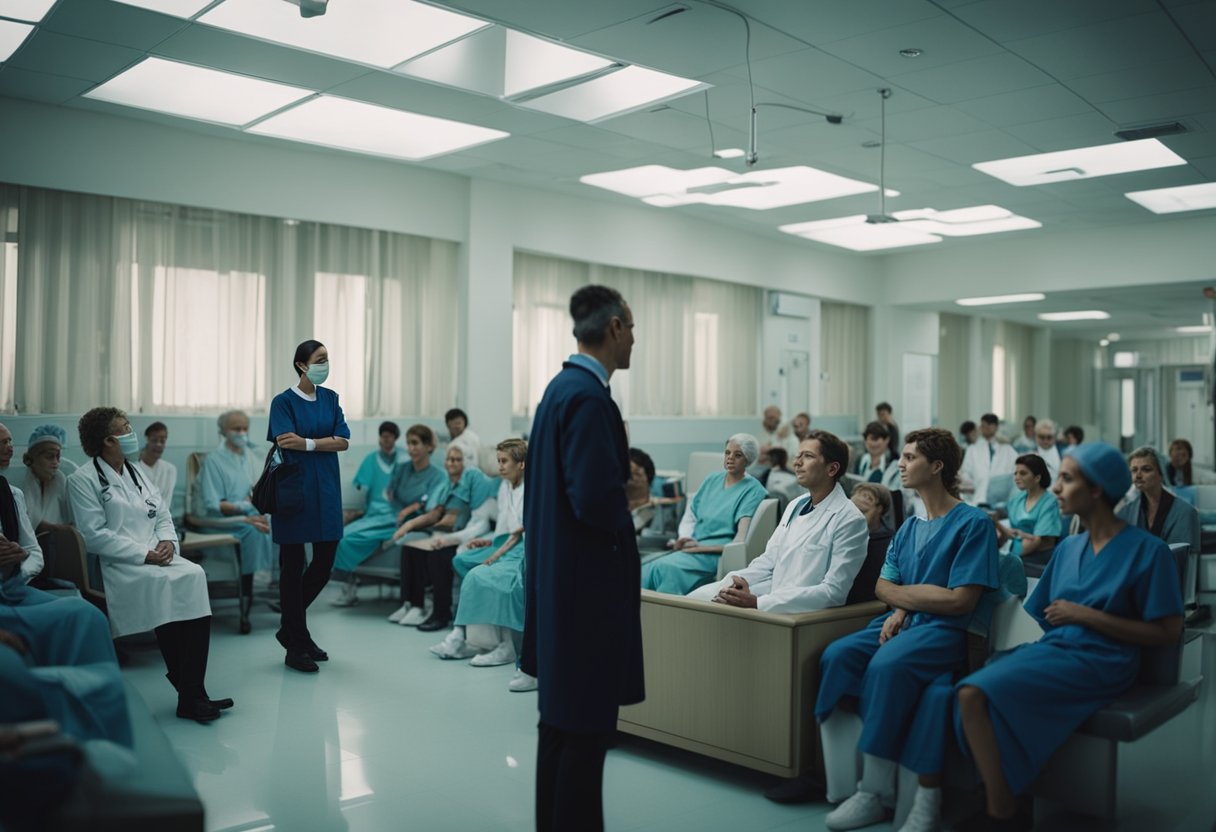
[48, 433]
[1104, 466]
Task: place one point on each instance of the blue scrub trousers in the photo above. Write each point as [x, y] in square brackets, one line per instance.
[680, 572]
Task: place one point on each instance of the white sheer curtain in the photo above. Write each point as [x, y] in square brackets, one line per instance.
[697, 340]
[954, 368]
[844, 333]
[8, 295]
[1011, 371]
[171, 308]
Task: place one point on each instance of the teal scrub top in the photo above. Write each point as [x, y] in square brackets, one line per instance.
[467, 495]
[373, 476]
[719, 509]
[427, 487]
[1043, 519]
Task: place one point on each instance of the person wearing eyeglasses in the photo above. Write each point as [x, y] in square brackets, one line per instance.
[125, 521]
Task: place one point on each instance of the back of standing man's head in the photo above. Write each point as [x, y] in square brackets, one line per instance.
[939, 445]
[593, 308]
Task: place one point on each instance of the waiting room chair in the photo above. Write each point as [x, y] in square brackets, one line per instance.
[69, 561]
[700, 465]
[739, 555]
[197, 519]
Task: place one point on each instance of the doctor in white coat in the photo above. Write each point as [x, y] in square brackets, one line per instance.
[125, 521]
[986, 459]
[814, 556]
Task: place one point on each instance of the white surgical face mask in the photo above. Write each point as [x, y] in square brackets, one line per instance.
[317, 373]
[129, 443]
[240, 440]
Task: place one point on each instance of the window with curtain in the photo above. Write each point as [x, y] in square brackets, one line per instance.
[697, 350]
[1012, 366]
[156, 307]
[844, 335]
[954, 367]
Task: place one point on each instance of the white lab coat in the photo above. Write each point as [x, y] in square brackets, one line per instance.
[116, 527]
[49, 505]
[26, 539]
[811, 560]
[1051, 457]
[979, 466]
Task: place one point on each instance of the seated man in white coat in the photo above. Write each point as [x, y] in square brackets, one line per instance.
[814, 556]
[989, 457]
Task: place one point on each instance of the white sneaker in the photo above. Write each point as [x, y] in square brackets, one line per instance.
[504, 653]
[926, 812]
[522, 682]
[862, 809]
[399, 614]
[349, 595]
[414, 617]
[453, 647]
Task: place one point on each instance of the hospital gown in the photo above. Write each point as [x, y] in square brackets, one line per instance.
[362, 537]
[228, 477]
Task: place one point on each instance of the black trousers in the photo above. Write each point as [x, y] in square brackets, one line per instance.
[570, 780]
[299, 587]
[184, 645]
[418, 568]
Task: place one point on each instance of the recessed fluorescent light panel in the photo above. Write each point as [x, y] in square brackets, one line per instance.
[196, 92]
[503, 63]
[1173, 200]
[995, 300]
[1193, 330]
[919, 226]
[177, 8]
[666, 187]
[1084, 315]
[1082, 163]
[382, 33]
[31, 11]
[368, 128]
[730, 153]
[12, 35]
[625, 90]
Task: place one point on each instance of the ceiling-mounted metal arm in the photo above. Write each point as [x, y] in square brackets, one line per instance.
[753, 155]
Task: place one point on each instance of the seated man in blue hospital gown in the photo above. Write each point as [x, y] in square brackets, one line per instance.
[225, 485]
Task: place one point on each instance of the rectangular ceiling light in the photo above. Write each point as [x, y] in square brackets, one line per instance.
[1082, 163]
[1083, 315]
[30, 11]
[178, 8]
[994, 300]
[1173, 200]
[382, 33]
[629, 88]
[503, 63]
[12, 35]
[1193, 330]
[666, 187]
[915, 227]
[368, 128]
[196, 92]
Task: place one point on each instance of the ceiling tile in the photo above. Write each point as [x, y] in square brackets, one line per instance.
[403, 93]
[809, 75]
[1084, 130]
[1206, 166]
[979, 77]
[702, 40]
[57, 54]
[1004, 21]
[672, 128]
[927, 123]
[216, 48]
[1154, 108]
[557, 18]
[970, 148]
[1021, 106]
[943, 39]
[1198, 21]
[730, 104]
[114, 23]
[1192, 146]
[824, 21]
[1184, 73]
[40, 86]
[1141, 40]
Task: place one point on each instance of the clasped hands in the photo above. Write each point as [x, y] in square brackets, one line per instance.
[11, 554]
[738, 594]
[161, 555]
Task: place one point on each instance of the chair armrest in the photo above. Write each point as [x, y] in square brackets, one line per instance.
[733, 558]
[868, 609]
[208, 521]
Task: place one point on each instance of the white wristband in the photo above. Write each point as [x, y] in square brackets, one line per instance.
[310, 444]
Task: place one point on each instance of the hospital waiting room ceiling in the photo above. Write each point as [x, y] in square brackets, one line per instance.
[605, 87]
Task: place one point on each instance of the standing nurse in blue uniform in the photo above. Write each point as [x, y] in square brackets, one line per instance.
[307, 424]
[1106, 593]
[935, 573]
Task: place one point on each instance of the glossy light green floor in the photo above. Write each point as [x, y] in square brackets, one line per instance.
[388, 737]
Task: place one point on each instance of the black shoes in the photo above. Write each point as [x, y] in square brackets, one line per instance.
[796, 790]
[312, 651]
[200, 710]
[221, 704]
[300, 661]
[434, 624]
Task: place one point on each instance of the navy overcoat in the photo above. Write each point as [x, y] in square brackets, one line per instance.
[582, 630]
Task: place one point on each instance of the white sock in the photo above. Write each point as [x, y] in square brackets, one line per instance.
[930, 796]
[878, 777]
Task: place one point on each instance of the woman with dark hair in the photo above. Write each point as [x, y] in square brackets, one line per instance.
[1034, 515]
[307, 424]
[1106, 592]
[1180, 471]
[125, 521]
[879, 463]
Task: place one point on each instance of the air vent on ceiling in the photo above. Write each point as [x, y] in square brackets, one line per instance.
[1151, 131]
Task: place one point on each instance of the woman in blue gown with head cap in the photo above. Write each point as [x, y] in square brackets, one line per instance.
[1106, 593]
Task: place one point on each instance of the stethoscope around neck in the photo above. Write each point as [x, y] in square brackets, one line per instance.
[107, 495]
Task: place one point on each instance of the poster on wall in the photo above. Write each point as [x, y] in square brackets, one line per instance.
[920, 391]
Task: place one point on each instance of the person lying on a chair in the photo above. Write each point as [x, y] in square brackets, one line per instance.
[813, 557]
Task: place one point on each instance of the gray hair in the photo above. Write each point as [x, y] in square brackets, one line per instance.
[221, 421]
[748, 444]
[593, 308]
[1045, 423]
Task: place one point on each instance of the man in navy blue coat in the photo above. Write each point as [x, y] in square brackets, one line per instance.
[582, 626]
